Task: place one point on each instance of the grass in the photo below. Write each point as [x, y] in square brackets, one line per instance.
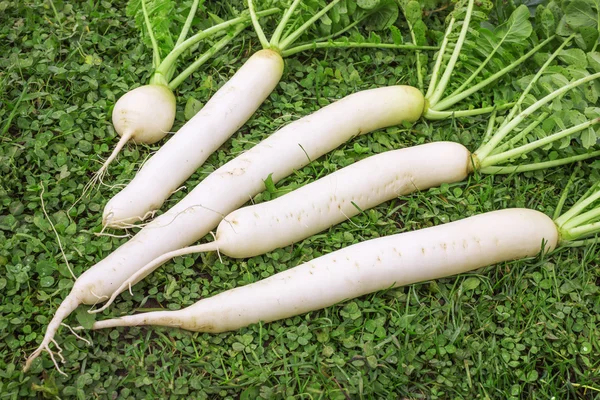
[527, 329]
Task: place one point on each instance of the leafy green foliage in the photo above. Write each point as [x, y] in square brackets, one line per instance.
[160, 14]
[581, 17]
[372, 15]
[382, 16]
[486, 50]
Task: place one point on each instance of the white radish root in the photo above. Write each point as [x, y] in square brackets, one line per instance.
[363, 268]
[143, 115]
[228, 188]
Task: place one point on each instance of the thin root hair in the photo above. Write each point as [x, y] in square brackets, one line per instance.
[55, 232]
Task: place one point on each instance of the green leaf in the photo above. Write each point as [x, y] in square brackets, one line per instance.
[547, 21]
[250, 393]
[160, 14]
[413, 12]
[594, 60]
[517, 28]
[588, 37]
[382, 17]
[420, 32]
[396, 35]
[269, 184]
[563, 28]
[588, 138]
[575, 57]
[367, 4]
[192, 106]
[84, 318]
[46, 281]
[471, 283]
[580, 13]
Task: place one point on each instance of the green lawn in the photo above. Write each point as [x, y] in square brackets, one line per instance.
[527, 329]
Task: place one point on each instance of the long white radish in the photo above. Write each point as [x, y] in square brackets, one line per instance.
[229, 108]
[363, 268]
[295, 216]
[232, 185]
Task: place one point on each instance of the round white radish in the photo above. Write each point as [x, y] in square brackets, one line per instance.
[235, 183]
[295, 216]
[230, 107]
[145, 114]
[142, 115]
[363, 268]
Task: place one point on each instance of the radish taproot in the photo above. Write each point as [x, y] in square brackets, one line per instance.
[147, 113]
[222, 116]
[233, 184]
[364, 268]
[230, 107]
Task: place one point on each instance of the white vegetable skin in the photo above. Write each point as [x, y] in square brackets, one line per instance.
[145, 114]
[364, 268]
[297, 215]
[235, 183]
[226, 112]
[142, 115]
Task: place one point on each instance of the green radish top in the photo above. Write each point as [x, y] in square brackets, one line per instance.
[155, 20]
[309, 26]
[553, 114]
[580, 225]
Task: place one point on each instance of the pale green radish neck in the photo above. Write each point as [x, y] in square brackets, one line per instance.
[186, 151]
[295, 216]
[363, 268]
[236, 182]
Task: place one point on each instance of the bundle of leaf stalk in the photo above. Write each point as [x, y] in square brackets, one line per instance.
[551, 123]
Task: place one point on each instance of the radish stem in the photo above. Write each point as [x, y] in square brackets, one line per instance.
[486, 149]
[511, 169]
[451, 100]
[155, 51]
[281, 26]
[172, 57]
[518, 151]
[341, 45]
[441, 87]
[257, 28]
[206, 56]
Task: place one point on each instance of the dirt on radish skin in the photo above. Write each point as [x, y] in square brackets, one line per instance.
[363, 268]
